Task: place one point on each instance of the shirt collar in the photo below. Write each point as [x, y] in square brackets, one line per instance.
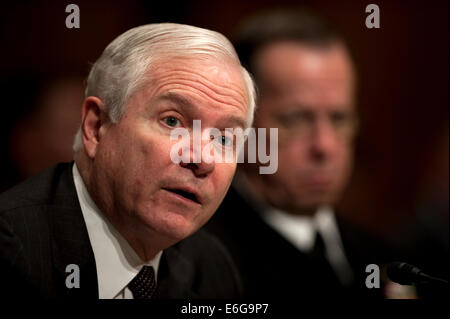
[300, 230]
[116, 261]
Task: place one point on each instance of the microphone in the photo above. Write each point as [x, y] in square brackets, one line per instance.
[406, 274]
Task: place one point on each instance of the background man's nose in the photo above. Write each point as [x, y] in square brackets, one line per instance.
[323, 141]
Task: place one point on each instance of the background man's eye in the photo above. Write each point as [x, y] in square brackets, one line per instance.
[171, 121]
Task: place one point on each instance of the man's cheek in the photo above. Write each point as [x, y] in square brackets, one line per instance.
[162, 147]
[226, 172]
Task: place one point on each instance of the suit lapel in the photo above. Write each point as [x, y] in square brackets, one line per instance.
[70, 244]
[176, 276]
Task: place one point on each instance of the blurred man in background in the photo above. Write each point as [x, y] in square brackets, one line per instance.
[282, 228]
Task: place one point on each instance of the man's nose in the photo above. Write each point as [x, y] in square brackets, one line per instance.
[323, 141]
[197, 163]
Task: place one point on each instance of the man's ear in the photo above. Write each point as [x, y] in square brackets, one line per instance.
[93, 117]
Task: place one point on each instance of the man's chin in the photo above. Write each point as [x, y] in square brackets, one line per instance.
[306, 210]
[310, 206]
[177, 229]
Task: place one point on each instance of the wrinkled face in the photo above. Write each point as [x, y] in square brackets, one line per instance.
[308, 93]
[143, 187]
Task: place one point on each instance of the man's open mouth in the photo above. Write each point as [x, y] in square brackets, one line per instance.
[184, 193]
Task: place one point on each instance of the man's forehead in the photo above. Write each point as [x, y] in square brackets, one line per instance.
[220, 73]
[295, 60]
[210, 66]
[215, 79]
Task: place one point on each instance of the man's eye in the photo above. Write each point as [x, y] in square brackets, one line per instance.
[226, 141]
[338, 118]
[171, 121]
[295, 119]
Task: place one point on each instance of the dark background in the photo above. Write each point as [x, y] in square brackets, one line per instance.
[401, 173]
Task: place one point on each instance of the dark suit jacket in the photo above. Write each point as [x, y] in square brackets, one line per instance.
[42, 230]
[272, 268]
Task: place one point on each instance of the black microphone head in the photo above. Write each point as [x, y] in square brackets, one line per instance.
[403, 273]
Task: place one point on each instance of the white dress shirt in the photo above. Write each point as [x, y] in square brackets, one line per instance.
[300, 230]
[116, 262]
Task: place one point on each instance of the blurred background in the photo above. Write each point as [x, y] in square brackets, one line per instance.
[400, 182]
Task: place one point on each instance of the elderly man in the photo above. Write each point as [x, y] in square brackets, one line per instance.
[123, 220]
[281, 228]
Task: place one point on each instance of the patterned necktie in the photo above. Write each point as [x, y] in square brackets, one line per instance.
[143, 286]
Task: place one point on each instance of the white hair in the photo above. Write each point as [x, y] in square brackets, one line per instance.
[120, 70]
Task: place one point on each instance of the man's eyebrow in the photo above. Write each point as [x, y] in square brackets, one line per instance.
[233, 121]
[181, 100]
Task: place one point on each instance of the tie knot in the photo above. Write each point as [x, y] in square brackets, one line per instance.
[143, 286]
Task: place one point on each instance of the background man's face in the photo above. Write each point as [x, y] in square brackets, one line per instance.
[144, 188]
[308, 93]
